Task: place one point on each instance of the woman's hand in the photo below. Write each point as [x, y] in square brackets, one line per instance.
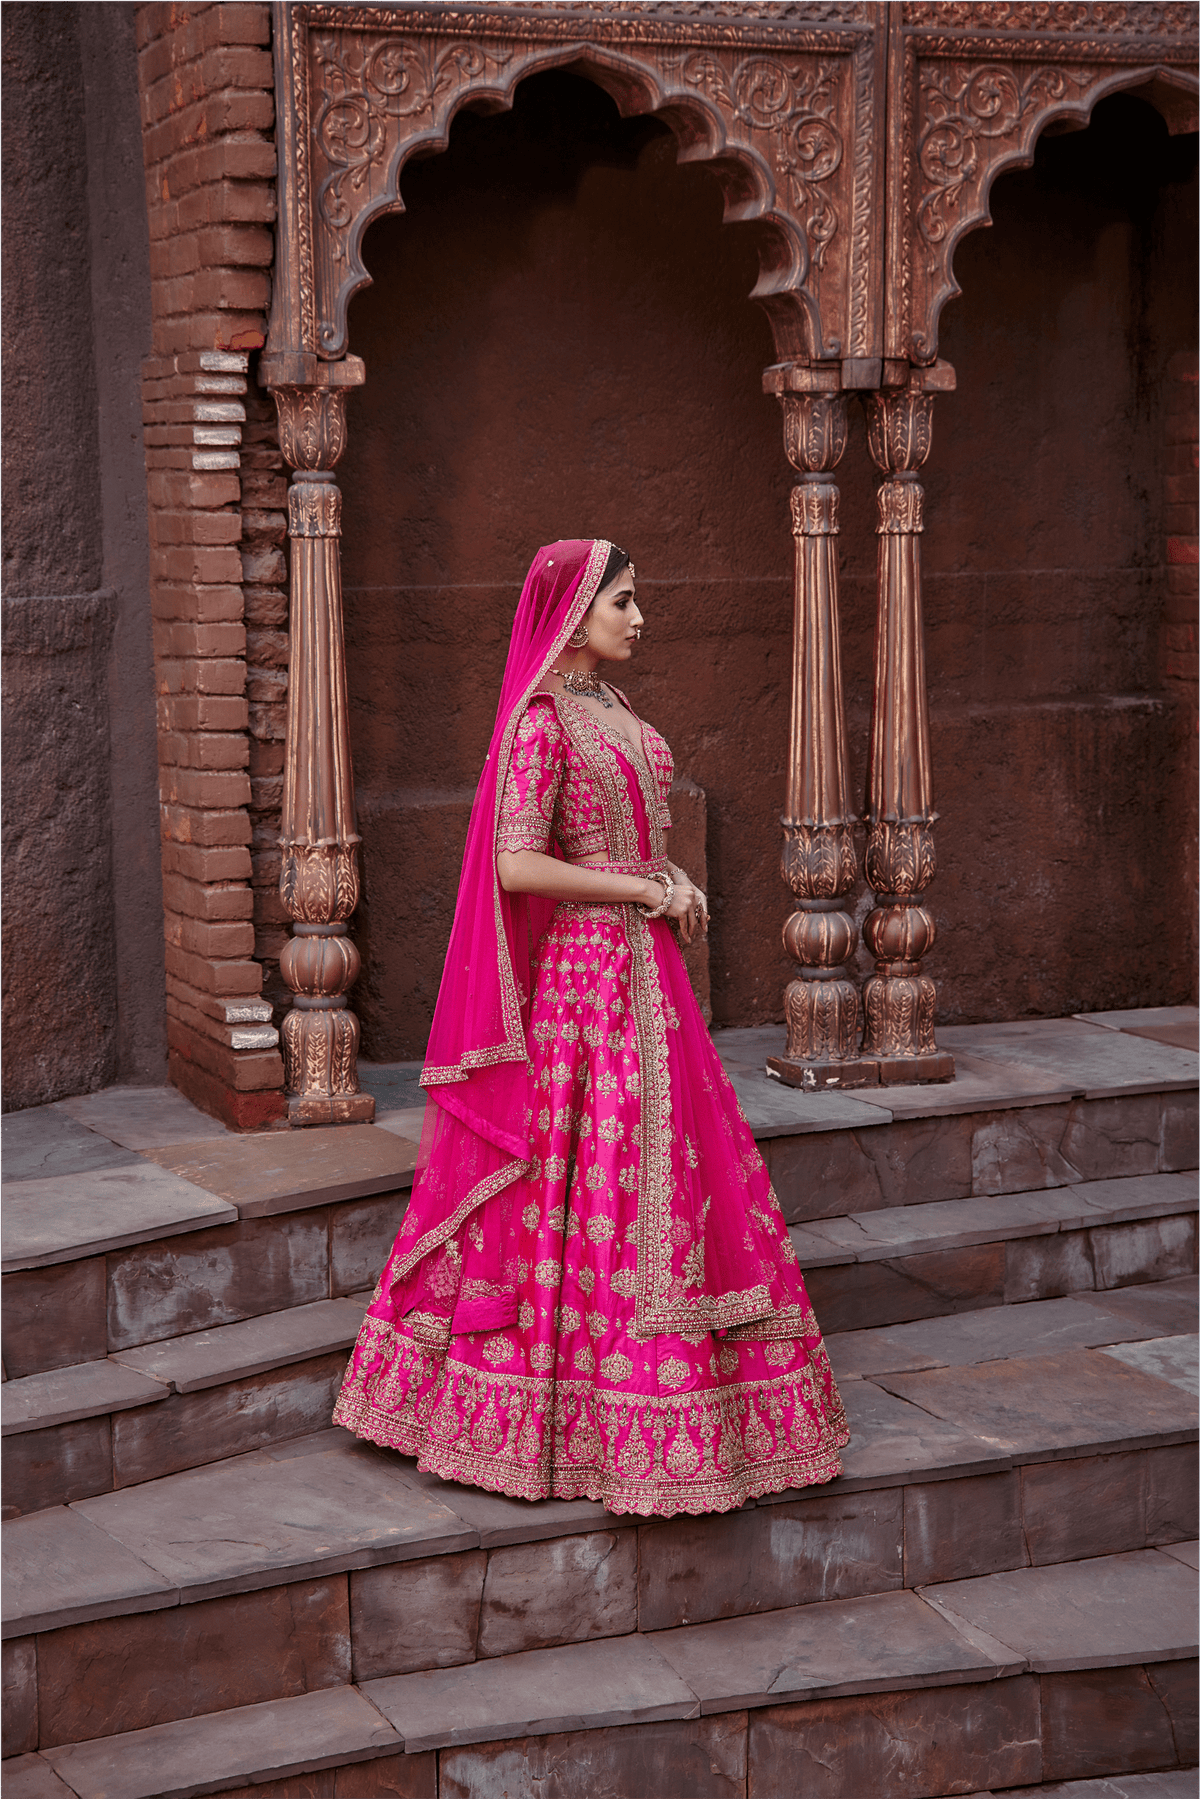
[688, 906]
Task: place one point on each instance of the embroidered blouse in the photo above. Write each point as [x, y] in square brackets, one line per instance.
[557, 775]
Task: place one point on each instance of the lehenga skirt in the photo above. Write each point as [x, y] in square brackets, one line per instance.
[568, 1401]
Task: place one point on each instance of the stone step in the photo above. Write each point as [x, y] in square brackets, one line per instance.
[147, 1412]
[906, 1262]
[88, 1275]
[1040, 1674]
[337, 1559]
[90, 1428]
[132, 1218]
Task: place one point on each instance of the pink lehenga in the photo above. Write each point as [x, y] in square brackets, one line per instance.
[592, 1293]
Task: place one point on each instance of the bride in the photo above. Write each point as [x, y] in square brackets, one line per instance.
[592, 1292]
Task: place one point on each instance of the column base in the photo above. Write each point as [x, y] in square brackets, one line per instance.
[331, 1108]
[910, 1071]
[813, 1077]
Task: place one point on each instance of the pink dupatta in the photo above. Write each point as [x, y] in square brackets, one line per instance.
[476, 1137]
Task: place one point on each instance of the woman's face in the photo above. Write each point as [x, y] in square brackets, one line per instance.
[614, 621]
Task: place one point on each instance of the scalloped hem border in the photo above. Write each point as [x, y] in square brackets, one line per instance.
[615, 1495]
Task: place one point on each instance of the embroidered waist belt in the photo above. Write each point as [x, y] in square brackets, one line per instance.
[644, 870]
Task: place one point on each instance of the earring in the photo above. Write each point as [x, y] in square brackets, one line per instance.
[578, 637]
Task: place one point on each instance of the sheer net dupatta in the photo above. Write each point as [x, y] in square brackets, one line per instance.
[476, 1137]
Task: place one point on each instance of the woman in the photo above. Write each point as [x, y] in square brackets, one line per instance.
[593, 1293]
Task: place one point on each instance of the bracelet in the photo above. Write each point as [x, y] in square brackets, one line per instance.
[668, 896]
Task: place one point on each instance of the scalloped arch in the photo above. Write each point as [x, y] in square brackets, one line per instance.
[744, 173]
[784, 118]
[1018, 152]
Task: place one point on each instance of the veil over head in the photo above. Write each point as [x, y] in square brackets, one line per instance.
[476, 1136]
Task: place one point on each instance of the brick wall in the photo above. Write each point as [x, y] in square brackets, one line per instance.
[216, 568]
[1180, 661]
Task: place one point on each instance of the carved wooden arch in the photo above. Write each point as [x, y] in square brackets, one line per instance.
[785, 116]
[971, 89]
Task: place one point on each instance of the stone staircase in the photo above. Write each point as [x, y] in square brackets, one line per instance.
[211, 1591]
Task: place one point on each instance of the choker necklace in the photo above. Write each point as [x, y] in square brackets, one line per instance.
[584, 683]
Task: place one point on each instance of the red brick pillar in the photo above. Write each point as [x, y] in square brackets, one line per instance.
[1180, 663]
[207, 94]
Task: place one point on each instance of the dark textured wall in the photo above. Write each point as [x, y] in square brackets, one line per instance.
[559, 343]
[82, 916]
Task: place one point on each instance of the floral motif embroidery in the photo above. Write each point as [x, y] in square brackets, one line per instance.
[616, 1367]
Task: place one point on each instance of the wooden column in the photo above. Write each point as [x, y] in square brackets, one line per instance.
[319, 876]
[899, 1000]
[821, 1004]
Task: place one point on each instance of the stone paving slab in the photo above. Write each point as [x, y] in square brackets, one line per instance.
[284, 1171]
[43, 1143]
[1049, 1407]
[408, 1123]
[1158, 1308]
[892, 1441]
[233, 1351]
[1174, 1359]
[1140, 1016]
[63, 1218]
[1098, 1064]
[29, 1777]
[1106, 1612]
[821, 1651]
[979, 1085]
[1175, 1783]
[250, 1744]
[773, 1109]
[1179, 1036]
[582, 1686]
[500, 1520]
[959, 1223]
[1187, 1553]
[84, 1391]
[60, 1569]
[142, 1117]
[394, 1086]
[1036, 1327]
[248, 1523]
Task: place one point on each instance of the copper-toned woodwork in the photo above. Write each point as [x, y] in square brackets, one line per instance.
[899, 1000]
[863, 139]
[821, 1004]
[319, 875]
[972, 84]
[785, 111]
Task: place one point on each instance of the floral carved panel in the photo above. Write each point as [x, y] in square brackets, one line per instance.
[971, 87]
[785, 114]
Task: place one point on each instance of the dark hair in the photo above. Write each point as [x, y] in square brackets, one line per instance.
[617, 560]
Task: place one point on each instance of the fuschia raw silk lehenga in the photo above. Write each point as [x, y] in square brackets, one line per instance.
[592, 1292]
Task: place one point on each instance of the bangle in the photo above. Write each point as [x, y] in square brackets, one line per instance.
[668, 896]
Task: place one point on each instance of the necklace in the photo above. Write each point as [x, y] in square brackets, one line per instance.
[584, 683]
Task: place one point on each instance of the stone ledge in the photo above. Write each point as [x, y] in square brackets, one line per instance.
[87, 1390]
[231, 1351]
[288, 1171]
[1105, 1612]
[226, 1749]
[71, 1216]
[583, 1686]
[958, 1223]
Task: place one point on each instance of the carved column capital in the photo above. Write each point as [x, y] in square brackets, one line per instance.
[814, 430]
[815, 509]
[314, 508]
[312, 425]
[901, 508]
[899, 428]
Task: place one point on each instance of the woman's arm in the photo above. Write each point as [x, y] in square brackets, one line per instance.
[529, 871]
